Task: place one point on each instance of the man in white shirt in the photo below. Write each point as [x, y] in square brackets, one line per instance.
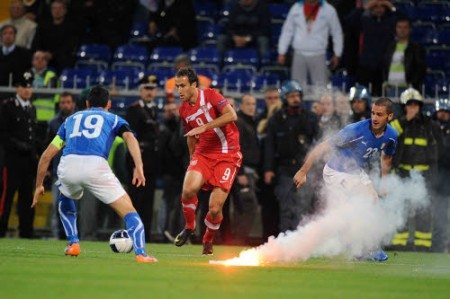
[307, 27]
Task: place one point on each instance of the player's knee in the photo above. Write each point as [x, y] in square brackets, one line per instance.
[215, 209]
[188, 192]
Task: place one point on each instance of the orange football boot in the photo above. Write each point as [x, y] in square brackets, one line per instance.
[145, 259]
[72, 249]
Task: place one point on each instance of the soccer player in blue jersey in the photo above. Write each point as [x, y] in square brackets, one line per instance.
[352, 148]
[86, 137]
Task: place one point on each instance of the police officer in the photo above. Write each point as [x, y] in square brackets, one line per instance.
[291, 131]
[18, 126]
[142, 117]
[443, 187]
[418, 143]
[360, 101]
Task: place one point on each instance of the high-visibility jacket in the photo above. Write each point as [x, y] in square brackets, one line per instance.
[45, 106]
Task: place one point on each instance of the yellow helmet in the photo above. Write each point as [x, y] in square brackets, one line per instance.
[411, 94]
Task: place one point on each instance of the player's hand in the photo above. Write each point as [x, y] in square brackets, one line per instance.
[37, 193]
[195, 131]
[138, 177]
[268, 177]
[299, 179]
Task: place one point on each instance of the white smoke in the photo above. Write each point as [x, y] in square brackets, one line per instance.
[351, 226]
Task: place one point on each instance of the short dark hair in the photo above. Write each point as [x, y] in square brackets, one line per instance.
[189, 73]
[4, 27]
[386, 102]
[98, 96]
[404, 19]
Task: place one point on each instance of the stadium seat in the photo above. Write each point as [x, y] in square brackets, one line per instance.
[424, 33]
[133, 53]
[438, 58]
[208, 33]
[261, 82]
[95, 65]
[162, 72]
[139, 32]
[342, 80]
[119, 105]
[77, 78]
[241, 56]
[278, 11]
[282, 71]
[126, 78]
[167, 54]
[275, 31]
[405, 7]
[444, 35]
[206, 8]
[235, 80]
[94, 52]
[437, 12]
[209, 55]
[131, 65]
[208, 70]
[433, 80]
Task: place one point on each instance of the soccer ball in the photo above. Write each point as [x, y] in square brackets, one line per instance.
[120, 241]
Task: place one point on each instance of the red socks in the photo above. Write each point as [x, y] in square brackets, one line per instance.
[189, 207]
[212, 226]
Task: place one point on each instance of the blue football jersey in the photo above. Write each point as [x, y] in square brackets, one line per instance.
[356, 143]
[90, 132]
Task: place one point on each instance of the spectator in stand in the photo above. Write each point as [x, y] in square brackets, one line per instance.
[266, 196]
[59, 36]
[375, 22]
[182, 61]
[329, 121]
[248, 26]
[404, 61]
[244, 190]
[307, 27]
[172, 23]
[14, 60]
[317, 108]
[25, 27]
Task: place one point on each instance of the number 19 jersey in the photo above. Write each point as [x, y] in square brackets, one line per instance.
[215, 142]
[91, 132]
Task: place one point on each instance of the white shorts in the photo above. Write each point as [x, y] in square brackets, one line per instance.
[347, 185]
[78, 172]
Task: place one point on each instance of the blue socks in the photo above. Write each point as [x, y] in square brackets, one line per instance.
[68, 215]
[135, 229]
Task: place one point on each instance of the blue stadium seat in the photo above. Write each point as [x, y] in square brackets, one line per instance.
[278, 11]
[95, 65]
[206, 8]
[168, 54]
[209, 55]
[444, 35]
[97, 52]
[127, 79]
[436, 12]
[432, 81]
[424, 33]
[438, 58]
[241, 56]
[261, 82]
[342, 80]
[275, 31]
[139, 30]
[236, 80]
[208, 33]
[119, 105]
[162, 72]
[406, 8]
[78, 78]
[208, 70]
[282, 71]
[132, 52]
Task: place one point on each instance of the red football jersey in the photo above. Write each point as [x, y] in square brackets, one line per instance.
[218, 141]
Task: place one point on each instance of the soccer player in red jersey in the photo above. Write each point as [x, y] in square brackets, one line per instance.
[215, 157]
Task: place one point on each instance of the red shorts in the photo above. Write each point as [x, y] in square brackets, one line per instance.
[218, 171]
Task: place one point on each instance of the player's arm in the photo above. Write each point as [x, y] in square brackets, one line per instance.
[317, 152]
[227, 115]
[47, 156]
[135, 152]
[386, 164]
[191, 142]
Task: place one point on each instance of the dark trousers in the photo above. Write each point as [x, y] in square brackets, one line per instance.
[269, 210]
[142, 199]
[19, 176]
[370, 77]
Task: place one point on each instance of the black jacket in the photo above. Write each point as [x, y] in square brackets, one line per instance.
[248, 139]
[18, 128]
[289, 138]
[16, 62]
[414, 62]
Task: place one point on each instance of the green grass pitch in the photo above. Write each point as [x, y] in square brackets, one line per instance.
[38, 269]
